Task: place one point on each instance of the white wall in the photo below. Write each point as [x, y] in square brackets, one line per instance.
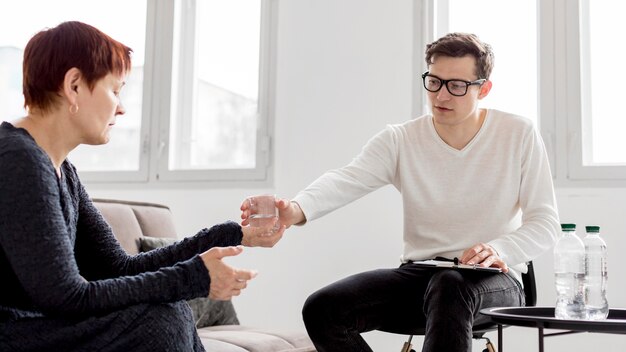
[344, 71]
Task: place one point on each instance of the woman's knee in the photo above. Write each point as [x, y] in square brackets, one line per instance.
[156, 327]
[170, 319]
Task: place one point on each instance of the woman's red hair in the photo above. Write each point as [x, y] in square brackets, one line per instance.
[52, 52]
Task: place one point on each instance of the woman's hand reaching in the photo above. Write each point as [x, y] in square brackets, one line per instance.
[266, 236]
[226, 281]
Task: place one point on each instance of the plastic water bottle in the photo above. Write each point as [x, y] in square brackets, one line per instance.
[596, 275]
[569, 274]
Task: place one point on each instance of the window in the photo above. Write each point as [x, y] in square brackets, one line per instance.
[556, 60]
[216, 121]
[122, 153]
[605, 144]
[591, 137]
[596, 126]
[515, 70]
[196, 99]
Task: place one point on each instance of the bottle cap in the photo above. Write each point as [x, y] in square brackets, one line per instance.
[568, 227]
[592, 228]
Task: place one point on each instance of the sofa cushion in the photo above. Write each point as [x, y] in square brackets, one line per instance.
[124, 223]
[148, 243]
[215, 345]
[155, 221]
[208, 312]
[130, 220]
[257, 340]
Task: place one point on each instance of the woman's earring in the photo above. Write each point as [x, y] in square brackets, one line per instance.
[74, 109]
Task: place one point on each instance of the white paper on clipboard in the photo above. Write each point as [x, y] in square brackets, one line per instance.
[449, 264]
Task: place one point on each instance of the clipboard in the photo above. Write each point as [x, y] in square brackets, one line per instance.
[432, 263]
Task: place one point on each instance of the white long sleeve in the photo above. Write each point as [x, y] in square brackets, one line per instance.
[497, 190]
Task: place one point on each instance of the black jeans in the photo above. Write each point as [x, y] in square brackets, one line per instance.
[446, 302]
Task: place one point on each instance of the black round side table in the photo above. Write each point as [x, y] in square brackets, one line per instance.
[543, 318]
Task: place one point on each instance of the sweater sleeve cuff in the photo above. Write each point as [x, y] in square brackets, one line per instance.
[303, 213]
[306, 206]
[199, 279]
[497, 246]
[234, 231]
[225, 234]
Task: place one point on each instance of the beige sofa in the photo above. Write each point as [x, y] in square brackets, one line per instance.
[132, 221]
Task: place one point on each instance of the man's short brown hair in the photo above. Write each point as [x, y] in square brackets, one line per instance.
[463, 44]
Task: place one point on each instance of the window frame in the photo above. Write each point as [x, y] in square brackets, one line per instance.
[561, 94]
[157, 100]
[579, 112]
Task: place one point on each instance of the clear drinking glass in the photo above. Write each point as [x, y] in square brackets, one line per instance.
[263, 210]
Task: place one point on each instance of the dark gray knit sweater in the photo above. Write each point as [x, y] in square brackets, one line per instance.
[58, 256]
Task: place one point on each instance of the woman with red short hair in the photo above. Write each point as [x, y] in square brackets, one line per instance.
[67, 284]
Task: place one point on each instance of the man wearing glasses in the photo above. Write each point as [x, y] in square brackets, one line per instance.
[475, 184]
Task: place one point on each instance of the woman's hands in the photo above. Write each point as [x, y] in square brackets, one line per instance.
[484, 255]
[226, 281]
[262, 236]
[289, 213]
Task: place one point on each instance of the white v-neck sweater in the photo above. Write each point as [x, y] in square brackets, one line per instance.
[497, 190]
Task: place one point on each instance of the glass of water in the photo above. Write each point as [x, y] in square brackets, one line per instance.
[263, 210]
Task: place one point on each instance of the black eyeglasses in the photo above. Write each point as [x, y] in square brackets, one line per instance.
[456, 87]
